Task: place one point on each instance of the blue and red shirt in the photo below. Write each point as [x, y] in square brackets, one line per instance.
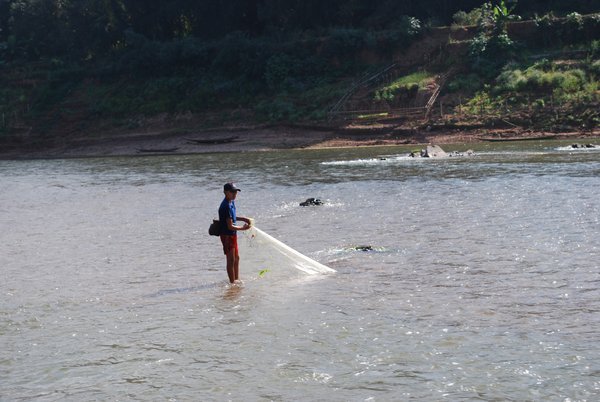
[227, 211]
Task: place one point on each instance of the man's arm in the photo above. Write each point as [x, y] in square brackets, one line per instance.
[244, 219]
[231, 226]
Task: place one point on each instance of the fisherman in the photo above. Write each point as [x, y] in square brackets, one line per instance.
[229, 229]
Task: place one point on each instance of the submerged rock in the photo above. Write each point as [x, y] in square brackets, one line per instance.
[366, 248]
[468, 152]
[311, 201]
[363, 248]
[578, 146]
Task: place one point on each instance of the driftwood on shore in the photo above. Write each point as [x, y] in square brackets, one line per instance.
[213, 141]
[157, 150]
[506, 139]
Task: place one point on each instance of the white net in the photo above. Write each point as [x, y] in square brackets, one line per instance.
[271, 253]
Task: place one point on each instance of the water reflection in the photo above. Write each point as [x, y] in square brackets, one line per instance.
[232, 292]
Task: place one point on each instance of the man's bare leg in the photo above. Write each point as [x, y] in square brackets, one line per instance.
[236, 267]
[231, 271]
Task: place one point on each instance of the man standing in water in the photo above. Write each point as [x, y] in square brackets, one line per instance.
[228, 232]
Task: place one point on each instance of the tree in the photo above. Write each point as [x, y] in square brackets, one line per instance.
[501, 15]
[4, 17]
[492, 47]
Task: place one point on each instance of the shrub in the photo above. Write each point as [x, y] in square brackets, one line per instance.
[344, 42]
[461, 18]
[467, 83]
[575, 20]
[473, 17]
[278, 109]
[489, 53]
[594, 49]
[595, 69]
[481, 103]
[510, 80]
[409, 26]
[239, 55]
[572, 29]
[278, 69]
[536, 78]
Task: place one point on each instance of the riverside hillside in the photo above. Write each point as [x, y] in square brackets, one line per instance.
[123, 78]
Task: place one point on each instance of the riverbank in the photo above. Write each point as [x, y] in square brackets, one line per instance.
[253, 139]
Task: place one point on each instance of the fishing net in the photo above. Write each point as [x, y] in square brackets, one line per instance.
[268, 253]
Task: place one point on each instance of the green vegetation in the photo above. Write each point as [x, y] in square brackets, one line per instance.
[492, 46]
[465, 83]
[545, 79]
[549, 93]
[75, 64]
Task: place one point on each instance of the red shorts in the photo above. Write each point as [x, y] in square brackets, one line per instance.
[229, 243]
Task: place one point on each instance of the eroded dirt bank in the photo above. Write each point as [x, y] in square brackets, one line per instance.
[265, 138]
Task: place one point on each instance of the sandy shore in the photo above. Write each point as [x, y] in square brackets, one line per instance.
[264, 139]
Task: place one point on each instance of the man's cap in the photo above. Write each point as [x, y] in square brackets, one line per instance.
[230, 187]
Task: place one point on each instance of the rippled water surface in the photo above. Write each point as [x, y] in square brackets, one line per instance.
[481, 282]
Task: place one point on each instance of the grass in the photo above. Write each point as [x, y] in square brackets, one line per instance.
[411, 83]
[420, 78]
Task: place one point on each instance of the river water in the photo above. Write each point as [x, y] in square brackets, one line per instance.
[481, 282]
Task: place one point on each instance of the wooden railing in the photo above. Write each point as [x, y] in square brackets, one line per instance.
[439, 85]
[388, 74]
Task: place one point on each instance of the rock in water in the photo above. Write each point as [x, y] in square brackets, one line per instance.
[434, 151]
[311, 201]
